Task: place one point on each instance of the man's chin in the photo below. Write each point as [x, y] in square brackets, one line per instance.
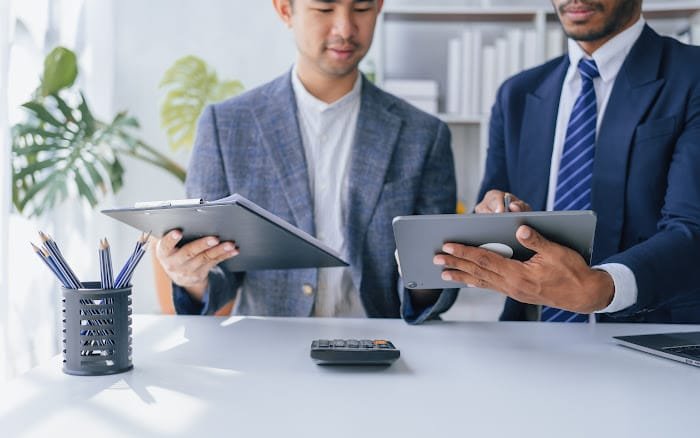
[339, 70]
[584, 32]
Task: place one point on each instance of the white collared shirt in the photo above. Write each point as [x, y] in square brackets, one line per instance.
[609, 59]
[328, 133]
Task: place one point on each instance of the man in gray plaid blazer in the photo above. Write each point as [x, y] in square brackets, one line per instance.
[326, 150]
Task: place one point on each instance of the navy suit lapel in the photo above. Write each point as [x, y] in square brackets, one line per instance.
[635, 89]
[537, 138]
[375, 139]
[279, 129]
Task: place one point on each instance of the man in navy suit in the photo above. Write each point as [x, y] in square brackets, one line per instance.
[614, 126]
[327, 151]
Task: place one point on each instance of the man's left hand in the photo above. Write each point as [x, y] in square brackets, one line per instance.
[555, 276]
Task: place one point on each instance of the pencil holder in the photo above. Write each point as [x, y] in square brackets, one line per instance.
[96, 330]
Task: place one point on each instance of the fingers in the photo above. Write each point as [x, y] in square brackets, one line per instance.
[190, 264]
[518, 206]
[212, 257]
[533, 240]
[467, 272]
[167, 245]
[494, 202]
[191, 250]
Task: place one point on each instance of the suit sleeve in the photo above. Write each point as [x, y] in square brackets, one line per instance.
[437, 195]
[666, 265]
[206, 179]
[496, 169]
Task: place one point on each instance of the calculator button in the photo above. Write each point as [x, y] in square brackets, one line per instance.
[353, 344]
[323, 343]
[339, 343]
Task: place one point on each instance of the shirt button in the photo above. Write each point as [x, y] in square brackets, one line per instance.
[307, 289]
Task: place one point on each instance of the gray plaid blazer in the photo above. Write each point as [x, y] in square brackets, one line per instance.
[401, 164]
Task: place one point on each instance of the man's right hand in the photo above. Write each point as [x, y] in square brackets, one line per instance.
[493, 203]
[189, 265]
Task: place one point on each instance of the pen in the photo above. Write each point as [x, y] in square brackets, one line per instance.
[507, 199]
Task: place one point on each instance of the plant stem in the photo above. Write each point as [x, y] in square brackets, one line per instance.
[158, 160]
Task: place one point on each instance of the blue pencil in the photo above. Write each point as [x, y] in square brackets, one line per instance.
[105, 265]
[127, 270]
[49, 263]
[53, 249]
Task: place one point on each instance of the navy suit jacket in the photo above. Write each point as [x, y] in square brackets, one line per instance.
[646, 186]
[401, 164]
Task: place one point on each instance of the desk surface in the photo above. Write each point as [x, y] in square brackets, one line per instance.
[253, 377]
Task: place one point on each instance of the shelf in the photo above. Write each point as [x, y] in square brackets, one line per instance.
[457, 119]
[678, 9]
[460, 13]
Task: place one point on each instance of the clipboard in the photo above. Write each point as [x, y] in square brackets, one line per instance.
[420, 238]
[265, 240]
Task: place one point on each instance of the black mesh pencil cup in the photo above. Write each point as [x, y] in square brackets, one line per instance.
[96, 330]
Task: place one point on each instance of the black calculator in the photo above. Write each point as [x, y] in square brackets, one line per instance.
[354, 352]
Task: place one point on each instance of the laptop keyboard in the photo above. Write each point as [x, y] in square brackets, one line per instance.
[688, 350]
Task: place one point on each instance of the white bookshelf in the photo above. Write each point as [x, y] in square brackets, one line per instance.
[411, 43]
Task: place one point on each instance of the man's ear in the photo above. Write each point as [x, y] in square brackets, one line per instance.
[284, 10]
[380, 4]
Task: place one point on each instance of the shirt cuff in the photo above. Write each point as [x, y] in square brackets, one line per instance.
[625, 287]
[186, 305]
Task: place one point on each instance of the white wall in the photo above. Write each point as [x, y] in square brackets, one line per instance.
[241, 39]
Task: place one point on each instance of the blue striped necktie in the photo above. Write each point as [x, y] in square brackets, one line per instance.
[576, 166]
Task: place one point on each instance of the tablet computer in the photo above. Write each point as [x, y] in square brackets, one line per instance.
[419, 238]
[265, 240]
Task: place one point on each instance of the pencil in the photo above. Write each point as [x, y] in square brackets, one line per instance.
[55, 252]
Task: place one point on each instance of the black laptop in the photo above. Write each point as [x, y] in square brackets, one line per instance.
[682, 347]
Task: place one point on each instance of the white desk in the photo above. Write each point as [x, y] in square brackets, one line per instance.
[245, 377]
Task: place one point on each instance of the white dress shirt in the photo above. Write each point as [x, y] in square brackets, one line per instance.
[328, 133]
[609, 59]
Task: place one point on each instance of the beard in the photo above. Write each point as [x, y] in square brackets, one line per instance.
[615, 19]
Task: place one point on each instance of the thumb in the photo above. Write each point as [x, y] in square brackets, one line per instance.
[533, 240]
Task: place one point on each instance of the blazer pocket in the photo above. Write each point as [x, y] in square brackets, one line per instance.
[655, 129]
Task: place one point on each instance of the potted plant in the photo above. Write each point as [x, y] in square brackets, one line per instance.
[62, 148]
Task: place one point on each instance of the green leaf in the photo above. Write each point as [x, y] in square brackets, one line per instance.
[224, 90]
[60, 71]
[30, 150]
[95, 176]
[42, 113]
[21, 203]
[84, 190]
[35, 167]
[191, 84]
[64, 108]
[86, 117]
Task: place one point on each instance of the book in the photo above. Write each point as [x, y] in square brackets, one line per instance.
[453, 94]
[488, 73]
[530, 58]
